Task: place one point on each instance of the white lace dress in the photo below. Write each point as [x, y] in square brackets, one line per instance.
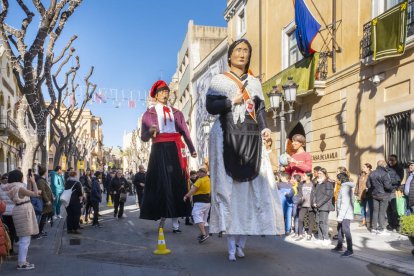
[241, 208]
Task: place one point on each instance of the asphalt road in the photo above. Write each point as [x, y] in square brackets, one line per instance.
[125, 246]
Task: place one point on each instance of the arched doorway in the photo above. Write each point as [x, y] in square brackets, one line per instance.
[298, 129]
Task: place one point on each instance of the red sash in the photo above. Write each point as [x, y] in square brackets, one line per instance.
[176, 138]
[248, 102]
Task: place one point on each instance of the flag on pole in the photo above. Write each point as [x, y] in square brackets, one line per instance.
[306, 28]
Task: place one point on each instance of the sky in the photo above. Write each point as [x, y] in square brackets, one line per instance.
[131, 44]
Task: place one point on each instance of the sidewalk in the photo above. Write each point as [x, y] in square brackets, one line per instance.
[391, 251]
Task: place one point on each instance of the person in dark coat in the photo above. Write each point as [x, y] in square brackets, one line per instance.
[139, 183]
[96, 197]
[323, 202]
[379, 183]
[73, 210]
[396, 172]
[118, 186]
[167, 178]
[47, 198]
[409, 188]
[86, 181]
[107, 184]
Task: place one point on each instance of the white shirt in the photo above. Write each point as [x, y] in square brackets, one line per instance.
[165, 124]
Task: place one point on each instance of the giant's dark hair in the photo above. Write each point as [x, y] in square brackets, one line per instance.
[231, 49]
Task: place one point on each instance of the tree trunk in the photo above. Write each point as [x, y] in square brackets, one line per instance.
[29, 136]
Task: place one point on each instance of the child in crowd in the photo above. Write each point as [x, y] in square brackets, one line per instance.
[201, 199]
[305, 207]
[285, 189]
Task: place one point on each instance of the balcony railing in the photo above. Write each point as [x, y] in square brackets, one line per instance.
[366, 37]
[8, 123]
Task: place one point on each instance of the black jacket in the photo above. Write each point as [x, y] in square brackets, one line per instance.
[395, 176]
[96, 193]
[139, 178]
[379, 183]
[322, 196]
[118, 185]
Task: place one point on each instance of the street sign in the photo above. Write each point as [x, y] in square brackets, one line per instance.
[63, 162]
[81, 165]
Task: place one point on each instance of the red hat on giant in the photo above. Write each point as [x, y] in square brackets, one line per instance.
[158, 86]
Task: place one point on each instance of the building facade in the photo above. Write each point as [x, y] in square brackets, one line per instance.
[213, 64]
[11, 143]
[352, 110]
[197, 45]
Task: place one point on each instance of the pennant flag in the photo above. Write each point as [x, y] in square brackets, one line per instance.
[132, 103]
[306, 28]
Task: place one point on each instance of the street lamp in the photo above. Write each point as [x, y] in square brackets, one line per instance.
[277, 99]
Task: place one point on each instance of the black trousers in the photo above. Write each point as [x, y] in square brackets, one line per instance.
[392, 213]
[43, 220]
[344, 229]
[140, 194]
[95, 207]
[118, 206]
[378, 217]
[323, 225]
[88, 207]
[73, 217]
[311, 215]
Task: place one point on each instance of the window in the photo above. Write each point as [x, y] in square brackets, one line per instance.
[290, 50]
[294, 54]
[397, 136]
[241, 23]
[380, 6]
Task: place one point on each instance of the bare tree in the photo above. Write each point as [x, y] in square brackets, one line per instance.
[32, 64]
[65, 121]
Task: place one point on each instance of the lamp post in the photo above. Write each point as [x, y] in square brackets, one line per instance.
[277, 99]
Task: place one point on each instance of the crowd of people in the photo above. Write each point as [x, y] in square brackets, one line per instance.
[26, 208]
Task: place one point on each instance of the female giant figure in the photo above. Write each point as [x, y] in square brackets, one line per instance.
[243, 191]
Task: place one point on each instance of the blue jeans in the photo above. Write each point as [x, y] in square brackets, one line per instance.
[364, 208]
[287, 206]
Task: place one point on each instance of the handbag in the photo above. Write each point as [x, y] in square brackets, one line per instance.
[37, 205]
[357, 207]
[66, 195]
[401, 203]
[122, 197]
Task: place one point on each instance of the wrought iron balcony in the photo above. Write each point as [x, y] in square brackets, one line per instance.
[365, 44]
[8, 127]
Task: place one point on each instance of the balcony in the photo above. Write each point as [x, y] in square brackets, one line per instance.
[366, 44]
[8, 127]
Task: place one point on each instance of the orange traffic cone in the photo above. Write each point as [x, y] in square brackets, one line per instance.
[161, 246]
[109, 203]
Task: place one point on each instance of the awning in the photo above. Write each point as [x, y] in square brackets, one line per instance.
[303, 73]
[389, 31]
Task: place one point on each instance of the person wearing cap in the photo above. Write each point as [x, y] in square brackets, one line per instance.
[409, 188]
[200, 192]
[166, 182]
[244, 197]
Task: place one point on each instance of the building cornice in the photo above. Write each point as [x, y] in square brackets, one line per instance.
[232, 8]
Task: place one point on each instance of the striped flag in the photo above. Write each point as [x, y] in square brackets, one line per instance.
[306, 28]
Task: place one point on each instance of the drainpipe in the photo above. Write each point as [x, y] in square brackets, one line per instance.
[333, 36]
[260, 39]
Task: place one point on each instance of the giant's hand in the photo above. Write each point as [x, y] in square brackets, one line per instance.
[266, 134]
[237, 100]
[153, 131]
